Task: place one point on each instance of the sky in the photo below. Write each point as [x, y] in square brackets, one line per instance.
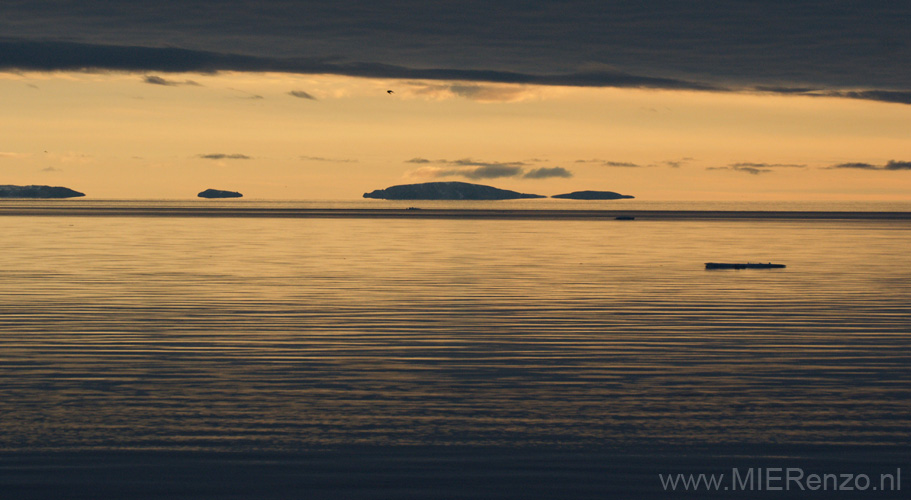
[284, 99]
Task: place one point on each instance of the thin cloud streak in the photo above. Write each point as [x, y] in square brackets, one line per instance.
[247, 95]
[609, 163]
[749, 170]
[473, 91]
[157, 80]
[889, 96]
[674, 163]
[476, 173]
[477, 170]
[328, 160]
[547, 173]
[756, 168]
[300, 94]
[224, 156]
[767, 165]
[880, 95]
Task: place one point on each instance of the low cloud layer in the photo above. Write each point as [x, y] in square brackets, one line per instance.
[478, 170]
[890, 165]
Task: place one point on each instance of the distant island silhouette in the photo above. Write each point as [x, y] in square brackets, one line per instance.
[593, 195]
[217, 193]
[9, 191]
[446, 191]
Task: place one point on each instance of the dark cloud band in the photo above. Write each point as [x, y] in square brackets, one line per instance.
[851, 49]
[55, 56]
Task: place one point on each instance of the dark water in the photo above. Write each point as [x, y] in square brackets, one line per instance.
[252, 357]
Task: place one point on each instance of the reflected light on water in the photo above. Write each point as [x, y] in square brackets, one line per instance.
[251, 334]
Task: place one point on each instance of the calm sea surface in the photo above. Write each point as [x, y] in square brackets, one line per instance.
[256, 335]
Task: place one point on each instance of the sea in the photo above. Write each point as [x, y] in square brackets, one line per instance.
[528, 349]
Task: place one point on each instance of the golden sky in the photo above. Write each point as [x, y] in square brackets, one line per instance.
[119, 135]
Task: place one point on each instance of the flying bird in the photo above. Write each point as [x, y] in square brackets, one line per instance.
[390, 92]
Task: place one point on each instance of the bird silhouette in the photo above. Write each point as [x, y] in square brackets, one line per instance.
[390, 92]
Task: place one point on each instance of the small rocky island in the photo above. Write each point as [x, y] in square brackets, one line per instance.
[9, 191]
[593, 195]
[217, 193]
[446, 191]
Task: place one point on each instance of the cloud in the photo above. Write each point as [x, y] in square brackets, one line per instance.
[749, 170]
[330, 160]
[766, 165]
[476, 173]
[890, 165]
[756, 168]
[489, 93]
[858, 166]
[12, 155]
[157, 80]
[301, 94]
[247, 95]
[468, 162]
[55, 56]
[898, 165]
[545, 173]
[492, 171]
[674, 163]
[609, 163]
[223, 156]
[811, 47]
[473, 91]
[476, 170]
[889, 96]
[468, 168]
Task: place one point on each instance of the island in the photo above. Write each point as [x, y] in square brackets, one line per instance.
[9, 191]
[217, 193]
[446, 191]
[593, 195]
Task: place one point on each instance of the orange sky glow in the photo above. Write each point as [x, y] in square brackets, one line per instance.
[287, 136]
